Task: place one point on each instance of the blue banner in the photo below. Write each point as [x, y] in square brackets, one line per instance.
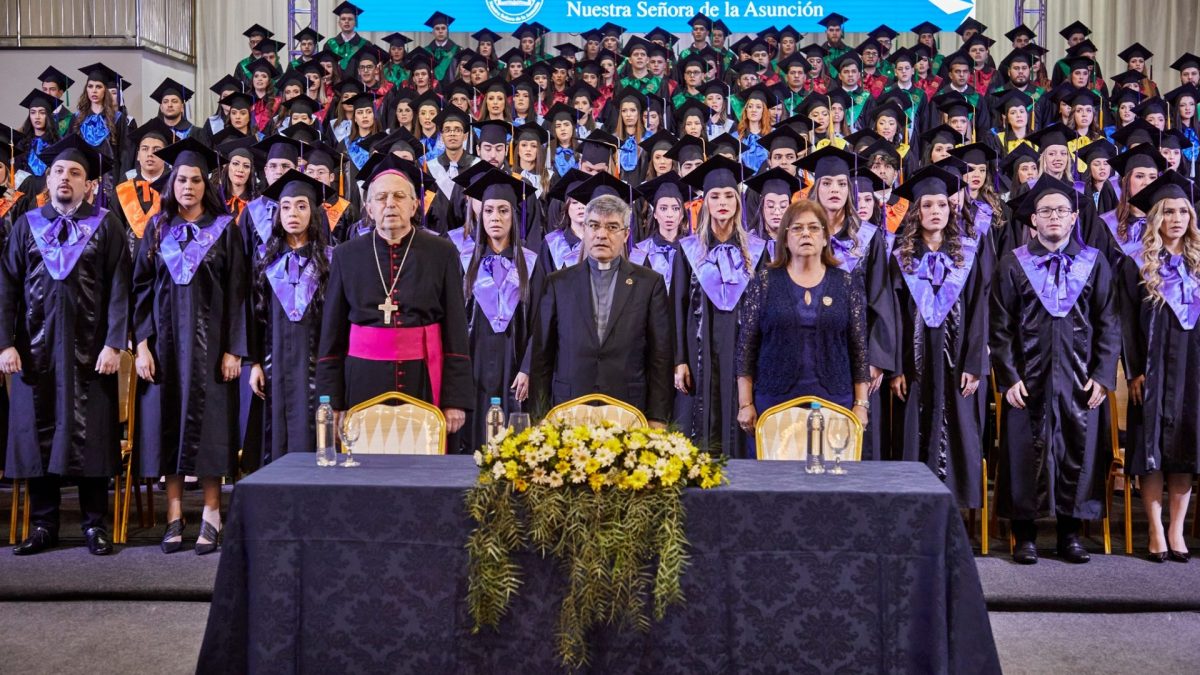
[641, 16]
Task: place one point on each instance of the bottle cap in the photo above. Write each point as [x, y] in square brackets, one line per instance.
[495, 400]
[324, 399]
[816, 406]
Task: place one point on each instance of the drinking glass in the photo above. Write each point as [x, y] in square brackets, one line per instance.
[518, 422]
[838, 437]
[350, 429]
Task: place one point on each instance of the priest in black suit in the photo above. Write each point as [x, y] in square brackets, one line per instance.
[604, 326]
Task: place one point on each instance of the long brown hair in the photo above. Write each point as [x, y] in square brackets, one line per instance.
[783, 255]
[910, 231]
[1152, 247]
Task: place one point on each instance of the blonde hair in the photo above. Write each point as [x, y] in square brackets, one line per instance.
[1152, 248]
[704, 227]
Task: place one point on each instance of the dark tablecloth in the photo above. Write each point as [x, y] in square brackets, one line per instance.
[365, 570]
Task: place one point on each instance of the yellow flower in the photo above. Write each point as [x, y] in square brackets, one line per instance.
[648, 458]
[635, 440]
[510, 470]
[591, 466]
[639, 478]
[562, 467]
[596, 481]
[521, 485]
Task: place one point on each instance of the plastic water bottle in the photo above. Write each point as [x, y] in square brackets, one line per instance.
[816, 441]
[326, 436]
[495, 419]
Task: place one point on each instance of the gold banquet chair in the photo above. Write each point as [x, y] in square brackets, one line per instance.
[782, 430]
[594, 408]
[398, 424]
[125, 485]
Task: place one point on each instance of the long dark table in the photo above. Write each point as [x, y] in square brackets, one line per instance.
[364, 570]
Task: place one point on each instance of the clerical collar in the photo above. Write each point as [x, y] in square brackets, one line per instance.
[600, 266]
[400, 242]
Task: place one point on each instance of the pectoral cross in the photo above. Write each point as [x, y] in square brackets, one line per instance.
[387, 307]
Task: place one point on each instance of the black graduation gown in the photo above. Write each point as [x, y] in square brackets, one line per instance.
[446, 211]
[1055, 452]
[706, 340]
[64, 415]
[430, 291]
[940, 427]
[1164, 432]
[545, 260]
[497, 357]
[287, 350]
[187, 421]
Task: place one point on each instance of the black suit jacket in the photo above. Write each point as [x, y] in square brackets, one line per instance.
[633, 361]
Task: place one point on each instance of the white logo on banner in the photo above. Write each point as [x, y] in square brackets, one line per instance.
[514, 11]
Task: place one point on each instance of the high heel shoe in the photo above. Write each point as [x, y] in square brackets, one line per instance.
[1159, 557]
[212, 534]
[1178, 556]
[174, 529]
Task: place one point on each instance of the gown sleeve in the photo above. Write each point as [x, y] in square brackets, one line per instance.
[335, 336]
[116, 252]
[144, 273]
[237, 318]
[1129, 304]
[860, 367]
[12, 281]
[1106, 328]
[458, 384]
[750, 333]
[1005, 313]
[659, 359]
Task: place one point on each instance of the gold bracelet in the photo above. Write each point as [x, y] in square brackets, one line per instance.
[863, 403]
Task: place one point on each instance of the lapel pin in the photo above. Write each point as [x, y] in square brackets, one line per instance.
[827, 301]
[628, 281]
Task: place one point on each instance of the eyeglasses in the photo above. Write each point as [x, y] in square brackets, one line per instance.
[1060, 212]
[801, 229]
[384, 197]
[611, 228]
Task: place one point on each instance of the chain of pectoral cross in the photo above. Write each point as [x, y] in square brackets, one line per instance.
[387, 306]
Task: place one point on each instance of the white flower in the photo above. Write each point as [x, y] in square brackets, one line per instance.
[578, 477]
[478, 458]
[498, 470]
[554, 480]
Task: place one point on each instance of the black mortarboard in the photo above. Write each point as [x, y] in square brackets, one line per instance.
[974, 153]
[850, 57]
[295, 183]
[702, 20]
[453, 112]
[829, 161]
[925, 28]
[833, 19]
[727, 144]
[1169, 185]
[567, 49]
[1124, 95]
[813, 51]
[716, 172]
[688, 149]
[486, 35]
[364, 100]
[279, 146]
[419, 58]
[1134, 51]
[611, 29]
[1128, 77]
[777, 181]
[865, 180]
[1054, 134]
[952, 104]
[1152, 105]
[258, 30]
[262, 65]
[592, 35]
[862, 139]
[971, 24]
[495, 184]
[1012, 98]
[238, 101]
[301, 104]
[930, 180]
[10, 138]
[1020, 31]
[1098, 149]
[397, 39]
[1173, 139]
[530, 131]
[525, 31]
[953, 166]
[978, 39]
[191, 152]
[883, 31]
[600, 184]
[269, 45]
[494, 131]
[1188, 60]
[761, 92]
[1144, 156]
[229, 134]
[98, 72]
[170, 87]
[303, 132]
[660, 140]
[347, 8]
[1073, 28]
[1017, 156]
[52, 74]
[155, 128]
[566, 184]
[783, 137]
[233, 144]
[1188, 89]
[227, 83]
[942, 133]
[1082, 96]
[881, 147]
[39, 99]
[439, 18]
[902, 54]
[598, 147]
[1045, 185]
[370, 52]
[1136, 132]
[308, 33]
[74, 148]
[582, 88]
[669, 185]
[561, 111]
[869, 43]
[460, 87]
[429, 98]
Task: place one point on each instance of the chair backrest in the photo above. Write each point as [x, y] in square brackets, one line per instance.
[398, 424]
[782, 431]
[594, 408]
[126, 386]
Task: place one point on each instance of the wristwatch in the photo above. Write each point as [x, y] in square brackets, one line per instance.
[862, 402]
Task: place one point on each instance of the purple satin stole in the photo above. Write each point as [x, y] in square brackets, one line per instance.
[1181, 290]
[497, 288]
[60, 255]
[464, 244]
[1057, 278]
[561, 252]
[661, 257]
[262, 216]
[184, 246]
[982, 222]
[294, 282]
[722, 270]
[937, 269]
[1133, 247]
[889, 241]
[841, 249]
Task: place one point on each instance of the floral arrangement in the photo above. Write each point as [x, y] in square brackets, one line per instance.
[605, 501]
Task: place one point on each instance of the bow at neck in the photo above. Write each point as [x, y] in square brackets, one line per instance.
[933, 267]
[729, 260]
[64, 230]
[1057, 265]
[1174, 267]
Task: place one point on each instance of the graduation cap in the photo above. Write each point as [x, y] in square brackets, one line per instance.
[850, 57]
[953, 166]
[317, 153]
[513, 55]
[777, 181]
[235, 144]
[1081, 50]
[977, 39]
[1045, 185]
[561, 111]
[296, 183]
[326, 55]
[494, 132]
[1124, 95]
[303, 132]
[262, 65]
[39, 99]
[974, 153]
[1136, 132]
[98, 72]
[1128, 78]
[610, 29]
[930, 180]
[1098, 149]
[1016, 56]
[691, 107]
[598, 147]
[700, 20]
[688, 149]
[813, 51]
[1173, 139]
[783, 137]
[278, 146]
[902, 54]
[238, 101]
[397, 40]
[1188, 60]
[1169, 185]
[767, 34]
[958, 57]
[73, 148]
[309, 33]
[1018, 156]
[952, 104]
[301, 103]
[889, 108]
[812, 102]
[525, 31]
[530, 131]
[1054, 134]
[747, 67]
[1189, 90]
[567, 49]
[727, 144]
[833, 20]
[1012, 98]
[453, 113]
[789, 31]
[720, 25]
[881, 147]
[839, 96]
[592, 35]
[347, 8]
[883, 31]
[191, 152]
[634, 44]
[925, 28]
[862, 139]
[1144, 156]
[155, 128]
[717, 172]
[359, 101]
[601, 184]
[829, 161]
[1133, 51]
[439, 19]
[660, 140]
[1152, 105]
[229, 134]
[971, 24]
[866, 180]
[1075, 28]
[269, 45]
[943, 133]
[460, 87]
[494, 184]
[52, 74]
[486, 35]
[760, 92]
[1083, 96]
[9, 139]
[869, 43]
[259, 31]
[292, 77]
[369, 52]
[793, 60]
[566, 185]
[170, 87]
[667, 186]
[582, 88]
[419, 59]
[1020, 31]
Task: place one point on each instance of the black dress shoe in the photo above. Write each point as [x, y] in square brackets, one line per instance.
[1159, 557]
[210, 533]
[1073, 552]
[39, 540]
[98, 541]
[1025, 553]
[1178, 556]
[174, 529]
